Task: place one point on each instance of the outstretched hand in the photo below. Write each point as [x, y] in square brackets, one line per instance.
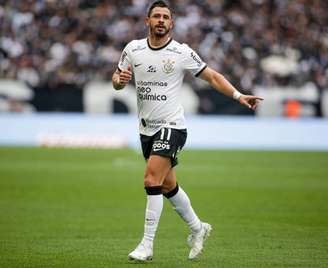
[250, 101]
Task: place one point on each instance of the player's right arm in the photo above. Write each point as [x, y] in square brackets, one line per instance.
[121, 78]
[123, 73]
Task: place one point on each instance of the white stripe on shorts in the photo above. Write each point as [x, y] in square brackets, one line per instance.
[169, 134]
[162, 133]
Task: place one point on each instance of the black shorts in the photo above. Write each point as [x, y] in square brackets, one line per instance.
[167, 142]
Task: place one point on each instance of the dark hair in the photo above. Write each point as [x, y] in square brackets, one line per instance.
[159, 3]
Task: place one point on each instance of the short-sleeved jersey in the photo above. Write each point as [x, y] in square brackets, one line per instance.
[158, 74]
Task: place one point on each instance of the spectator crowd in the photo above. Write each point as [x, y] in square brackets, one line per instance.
[255, 42]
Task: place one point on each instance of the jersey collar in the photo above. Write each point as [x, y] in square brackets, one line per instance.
[158, 48]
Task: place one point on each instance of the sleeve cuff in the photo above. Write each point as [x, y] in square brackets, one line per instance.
[201, 70]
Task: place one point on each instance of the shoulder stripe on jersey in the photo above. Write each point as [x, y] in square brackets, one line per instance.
[158, 48]
[201, 70]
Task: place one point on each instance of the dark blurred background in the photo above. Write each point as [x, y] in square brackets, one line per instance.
[276, 48]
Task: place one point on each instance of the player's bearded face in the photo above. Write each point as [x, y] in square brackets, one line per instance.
[160, 22]
[159, 30]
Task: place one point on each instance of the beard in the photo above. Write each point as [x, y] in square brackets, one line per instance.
[159, 31]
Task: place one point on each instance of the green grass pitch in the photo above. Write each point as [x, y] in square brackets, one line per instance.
[85, 208]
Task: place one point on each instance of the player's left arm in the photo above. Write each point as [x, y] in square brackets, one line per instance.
[218, 82]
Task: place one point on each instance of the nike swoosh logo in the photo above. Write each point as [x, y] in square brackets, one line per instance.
[158, 149]
[136, 65]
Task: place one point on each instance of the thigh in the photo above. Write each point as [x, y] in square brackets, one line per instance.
[157, 169]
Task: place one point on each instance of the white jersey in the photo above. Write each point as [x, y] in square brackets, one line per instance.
[158, 74]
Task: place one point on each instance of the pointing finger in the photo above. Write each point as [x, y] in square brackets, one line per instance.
[257, 98]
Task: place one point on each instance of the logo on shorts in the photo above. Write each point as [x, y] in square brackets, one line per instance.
[168, 66]
[158, 146]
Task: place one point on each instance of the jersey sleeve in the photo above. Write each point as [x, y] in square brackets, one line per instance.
[125, 59]
[192, 62]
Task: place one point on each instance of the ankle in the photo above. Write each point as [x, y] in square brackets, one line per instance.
[195, 226]
[147, 242]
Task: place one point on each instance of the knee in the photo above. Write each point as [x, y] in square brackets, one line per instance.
[170, 191]
[168, 187]
[165, 189]
[151, 178]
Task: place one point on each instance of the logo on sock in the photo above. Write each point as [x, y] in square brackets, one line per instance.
[150, 221]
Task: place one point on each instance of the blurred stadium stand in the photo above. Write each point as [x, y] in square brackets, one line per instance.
[53, 53]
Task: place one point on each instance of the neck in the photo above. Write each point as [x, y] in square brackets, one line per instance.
[155, 41]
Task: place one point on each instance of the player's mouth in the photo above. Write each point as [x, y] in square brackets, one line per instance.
[160, 27]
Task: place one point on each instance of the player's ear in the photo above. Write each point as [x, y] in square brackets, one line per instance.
[172, 24]
[147, 21]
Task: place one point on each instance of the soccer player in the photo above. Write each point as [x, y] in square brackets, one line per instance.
[158, 64]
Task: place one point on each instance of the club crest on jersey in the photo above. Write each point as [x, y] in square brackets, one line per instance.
[168, 66]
